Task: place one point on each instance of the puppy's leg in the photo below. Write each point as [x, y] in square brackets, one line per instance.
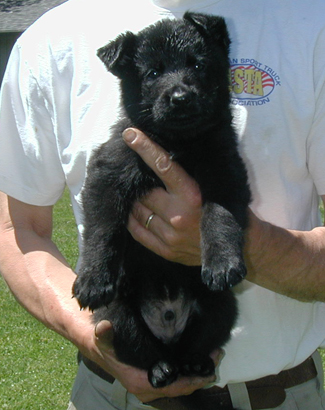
[106, 205]
[114, 182]
[162, 374]
[221, 243]
[102, 259]
[95, 284]
[208, 330]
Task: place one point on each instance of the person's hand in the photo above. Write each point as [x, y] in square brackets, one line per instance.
[136, 380]
[173, 232]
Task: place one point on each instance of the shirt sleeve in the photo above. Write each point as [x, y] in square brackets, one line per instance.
[30, 166]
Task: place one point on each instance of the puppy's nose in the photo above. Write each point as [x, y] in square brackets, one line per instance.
[180, 97]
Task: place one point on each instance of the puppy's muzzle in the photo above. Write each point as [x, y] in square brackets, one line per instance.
[180, 97]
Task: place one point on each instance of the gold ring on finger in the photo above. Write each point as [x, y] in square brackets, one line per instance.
[150, 218]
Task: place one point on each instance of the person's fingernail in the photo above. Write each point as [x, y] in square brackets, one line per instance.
[163, 163]
[96, 333]
[129, 135]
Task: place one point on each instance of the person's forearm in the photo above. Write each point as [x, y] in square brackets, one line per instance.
[288, 262]
[41, 281]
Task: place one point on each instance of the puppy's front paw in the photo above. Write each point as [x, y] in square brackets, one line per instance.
[91, 292]
[162, 374]
[222, 273]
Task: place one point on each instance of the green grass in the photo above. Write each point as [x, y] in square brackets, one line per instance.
[37, 367]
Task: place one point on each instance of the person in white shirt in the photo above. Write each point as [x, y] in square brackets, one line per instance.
[58, 103]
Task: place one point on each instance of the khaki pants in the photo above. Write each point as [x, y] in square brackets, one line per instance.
[90, 392]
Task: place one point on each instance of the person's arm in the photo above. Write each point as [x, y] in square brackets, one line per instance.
[288, 262]
[41, 280]
[285, 261]
[36, 272]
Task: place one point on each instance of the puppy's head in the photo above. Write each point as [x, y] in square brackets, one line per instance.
[174, 74]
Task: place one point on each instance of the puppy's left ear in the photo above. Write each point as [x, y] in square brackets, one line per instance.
[118, 54]
[210, 27]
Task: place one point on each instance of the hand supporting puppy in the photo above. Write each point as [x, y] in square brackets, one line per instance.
[135, 380]
[174, 231]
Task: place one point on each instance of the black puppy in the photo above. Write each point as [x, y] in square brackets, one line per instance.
[167, 317]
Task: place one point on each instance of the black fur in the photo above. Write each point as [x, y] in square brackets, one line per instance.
[174, 82]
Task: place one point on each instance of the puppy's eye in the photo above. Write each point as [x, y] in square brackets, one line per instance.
[199, 66]
[152, 74]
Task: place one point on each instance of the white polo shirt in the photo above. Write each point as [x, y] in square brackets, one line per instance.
[58, 103]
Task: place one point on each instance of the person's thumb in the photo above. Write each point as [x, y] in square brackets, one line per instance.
[104, 332]
[217, 355]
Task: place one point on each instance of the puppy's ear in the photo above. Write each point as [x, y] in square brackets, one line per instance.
[118, 54]
[210, 27]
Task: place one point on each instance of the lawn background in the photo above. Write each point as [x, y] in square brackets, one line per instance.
[37, 367]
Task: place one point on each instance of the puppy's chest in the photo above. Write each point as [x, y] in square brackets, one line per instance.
[196, 160]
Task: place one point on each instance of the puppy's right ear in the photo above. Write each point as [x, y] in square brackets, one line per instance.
[210, 27]
[118, 54]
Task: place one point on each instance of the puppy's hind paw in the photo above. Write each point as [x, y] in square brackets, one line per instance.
[198, 365]
[223, 276]
[162, 374]
[92, 294]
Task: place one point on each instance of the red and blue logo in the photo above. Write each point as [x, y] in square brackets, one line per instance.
[252, 83]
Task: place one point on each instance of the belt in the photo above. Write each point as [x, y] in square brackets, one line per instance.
[265, 393]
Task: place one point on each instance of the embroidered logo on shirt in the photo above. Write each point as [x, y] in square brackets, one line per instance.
[252, 83]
